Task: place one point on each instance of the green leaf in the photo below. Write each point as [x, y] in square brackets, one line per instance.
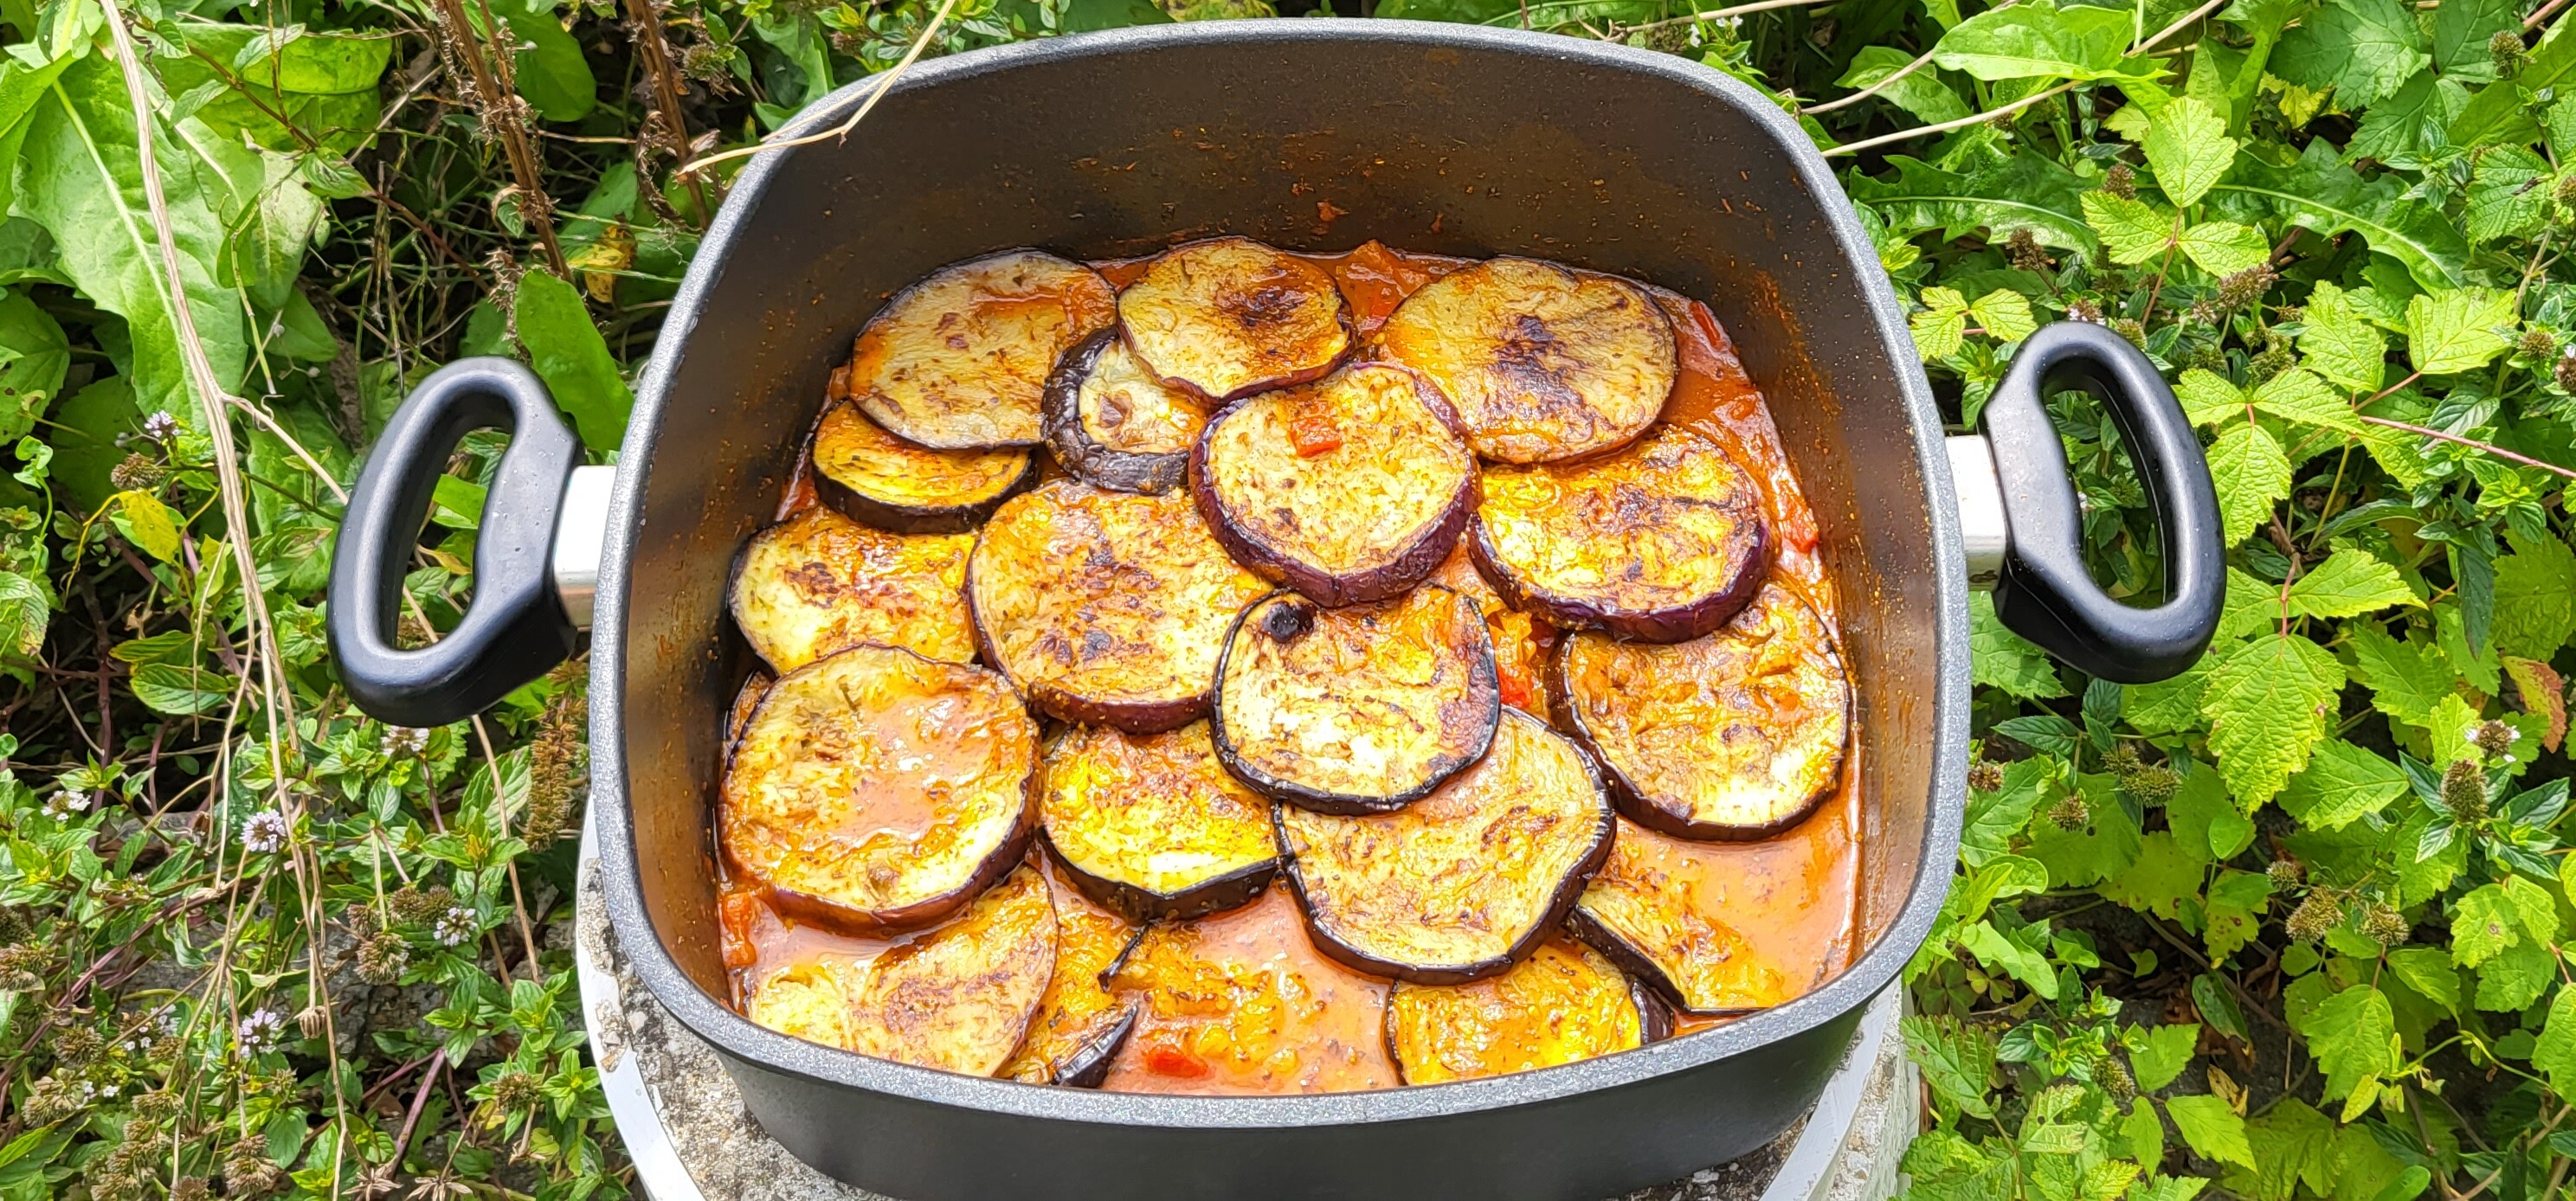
[2188, 149]
[2252, 473]
[2213, 1130]
[2318, 192]
[2004, 315]
[2509, 194]
[2429, 972]
[2165, 707]
[2235, 911]
[2132, 231]
[2296, 395]
[2001, 953]
[2535, 599]
[567, 351]
[2207, 398]
[2411, 122]
[2555, 1054]
[2354, 1034]
[1994, 818]
[2037, 39]
[2167, 1052]
[178, 690]
[1921, 93]
[2514, 979]
[2341, 344]
[2364, 49]
[2204, 817]
[2027, 191]
[2341, 784]
[2406, 679]
[2164, 876]
[1942, 327]
[25, 607]
[2106, 845]
[1999, 658]
[39, 359]
[548, 64]
[2458, 329]
[2224, 247]
[154, 530]
[2483, 923]
[2498, 113]
[2349, 582]
[1957, 1061]
[321, 85]
[2461, 31]
[85, 440]
[2537, 909]
[2270, 700]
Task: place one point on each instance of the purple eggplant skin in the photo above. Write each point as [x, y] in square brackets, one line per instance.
[1680, 623]
[1096, 464]
[1640, 969]
[1089, 1066]
[919, 519]
[1654, 1017]
[832, 915]
[1394, 577]
[1135, 717]
[1143, 907]
[1485, 684]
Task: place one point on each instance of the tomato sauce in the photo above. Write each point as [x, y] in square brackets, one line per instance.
[1315, 1026]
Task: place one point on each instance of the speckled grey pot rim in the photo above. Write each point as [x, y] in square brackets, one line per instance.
[739, 1038]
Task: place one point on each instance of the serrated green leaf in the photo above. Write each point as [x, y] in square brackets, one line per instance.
[1995, 818]
[2341, 784]
[2026, 191]
[2429, 972]
[2515, 978]
[2004, 315]
[2509, 194]
[2458, 329]
[2320, 193]
[2483, 923]
[2555, 1054]
[2235, 911]
[2132, 231]
[2406, 679]
[2296, 395]
[2535, 599]
[2349, 582]
[2341, 344]
[2224, 247]
[1999, 658]
[2167, 706]
[2270, 701]
[2411, 122]
[2533, 904]
[2252, 606]
[2364, 49]
[2213, 1130]
[2164, 876]
[2252, 473]
[1957, 1061]
[2207, 398]
[2167, 1052]
[2462, 30]
[2001, 953]
[2037, 39]
[2353, 1035]
[2189, 150]
[2499, 113]
[2104, 846]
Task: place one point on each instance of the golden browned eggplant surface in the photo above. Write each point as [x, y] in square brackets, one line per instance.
[1492, 619]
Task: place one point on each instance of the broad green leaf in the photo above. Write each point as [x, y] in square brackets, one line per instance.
[2207, 398]
[323, 83]
[2214, 1131]
[2167, 1052]
[22, 86]
[2341, 344]
[84, 435]
[1957, 1061]
[2511, 981]
[547, 62]
[2296, 395]
[2027, 191]
[2458, 329]
[2235, 911]
[81, 178]
[39, 357]
[2224, 247]
[2164, 876]
[1921, 93]
[2354, 1034]
[2349, 582]
[2320, 193]
[2104, 846]
[2167, 706]
[2462, 30]
[2037, 39]
[270, 218]
[2252, 606]
[2429, 972]
[2411, 122]
[2252, 473]
[2364, 49]
[2483, 923]
[2535, 599]
[2001, 953]
[1996, 878]
[2554, 1055]
[2188, 149]
[2341, 784]
[178, 690]
[2004, 315]
[2270, 700]
[2204, 818]
[1995, 818]
[154, 530]
[1999, 658]
[2406, 679]
[25, 607]
[2509, 194]
[2537, 909]
[567, 351]
[1942, 327]
[2132, 230]
[2498, 113]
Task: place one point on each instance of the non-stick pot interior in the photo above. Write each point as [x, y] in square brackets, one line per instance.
[1311, 140]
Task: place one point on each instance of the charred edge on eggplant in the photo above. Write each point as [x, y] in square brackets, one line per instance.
[959, 360]
[1583, 523]
[1101, 404]
[961, 997]
[1115, 810]
[1295, 484]
[1700, 948]
[1288, 678]
[1341, 900]
[1080, 1024]
[745, 702]
[819, 582]
[1749, 728]
[1105, 608]
[784, 804]
[1541, 362]
[1228, 317]
[878, 479]
[1564, 1004]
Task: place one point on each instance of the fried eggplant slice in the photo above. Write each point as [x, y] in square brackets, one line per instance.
[1566, 1002]
[878, 479]
[1542, 363]
[1105, 608]
[1362, 709]
[1113, 424]
[1349, 490]
[879, 790]
[1150, 825]
[1080, 1024]
[819, 582]
[1520, 640]
[1229, 317]
[1661, 542]
[1462, 883]
[1240, 1002]
[1737, 735]
[959, 360]
[1654, 923]
[746, 701]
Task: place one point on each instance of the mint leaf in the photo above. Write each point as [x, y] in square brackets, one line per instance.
[2349, 582]
[2167, 1052]
[2213, 1130]
[2410, 122]
[2188, 149]
[2001, 953]
[2224, 247]
[2538, 910]
[2364, 49]
[1999, 658]
[1994, 818]
[2252, 473]
[2458, 329]
[2341, 784]
[2132, 231]
[1957, 1061]
[2353, 1035]
[2269, 702]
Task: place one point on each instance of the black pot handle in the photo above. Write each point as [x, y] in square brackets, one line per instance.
[516, 629]
[2045, 592]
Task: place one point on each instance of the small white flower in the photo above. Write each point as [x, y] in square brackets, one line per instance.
[454, 927]
[260, 1033]
[160, 426]
[405, 740]
[265, 832]
[67, 802]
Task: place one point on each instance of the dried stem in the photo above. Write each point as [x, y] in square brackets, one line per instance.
[497, 94]
[644, 23]
[892, 76]
[2489, 447]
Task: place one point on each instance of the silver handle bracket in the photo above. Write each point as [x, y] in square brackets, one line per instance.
[1983, 529]
[581, 532]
